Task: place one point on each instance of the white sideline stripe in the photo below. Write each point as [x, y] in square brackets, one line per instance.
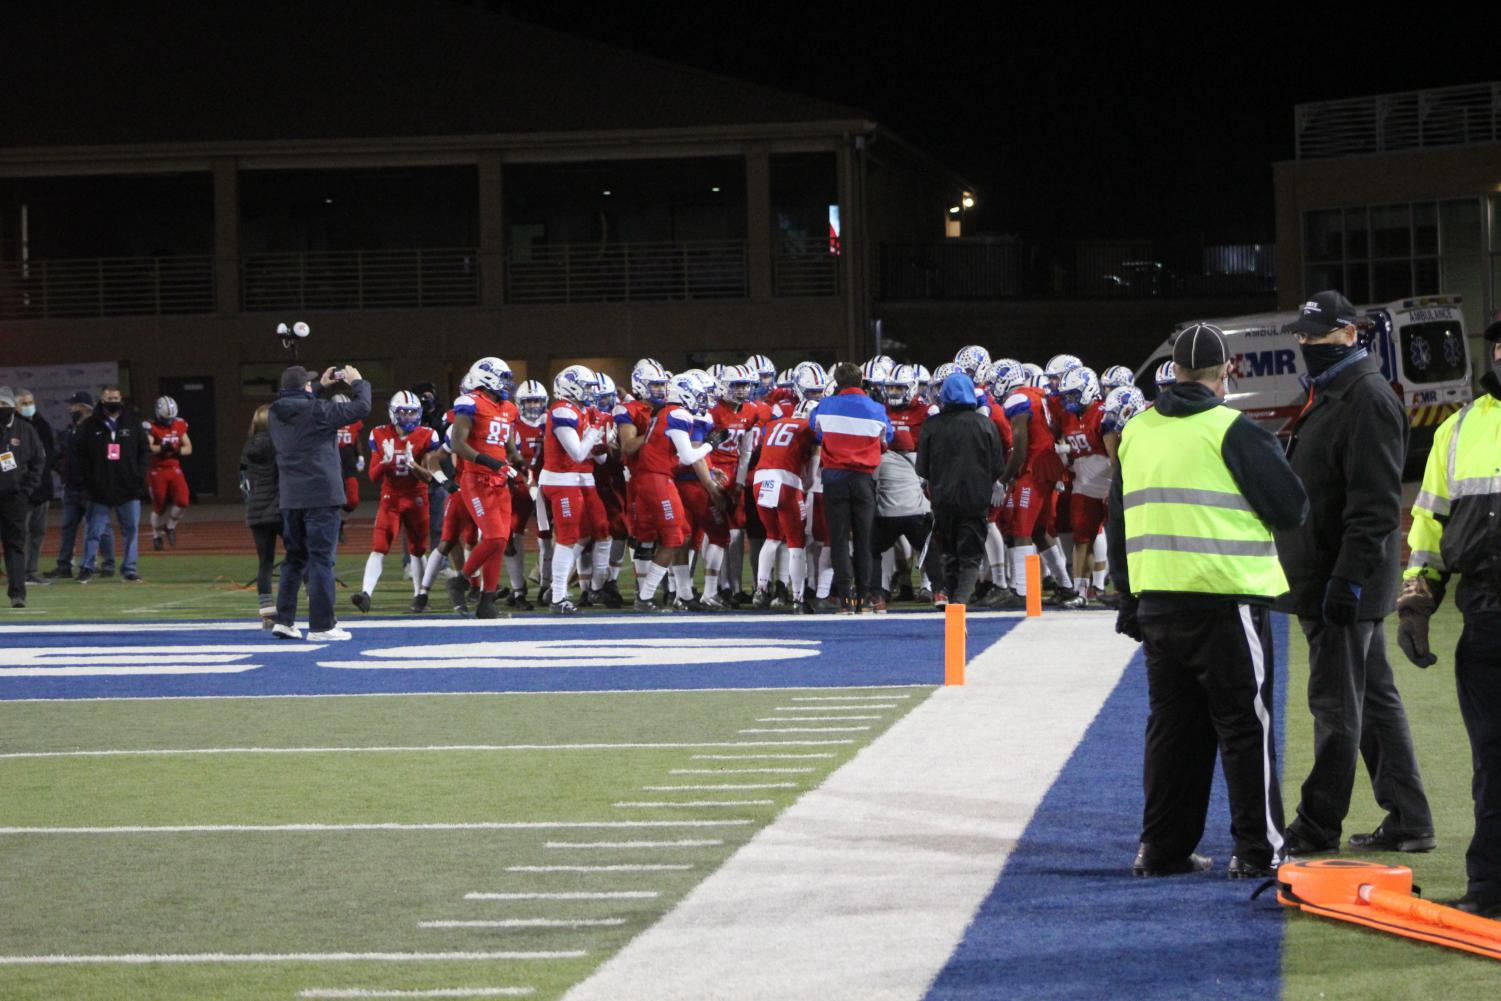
[528, 923]
[146, 959]
[834, 709]
[602, 895]
[862, 889]
[440, 992]
[652, 804]
[815, 719]
[517, 825]
[740, 770]
[760, 757]
[845, 698]
[619, 867]
[808, 729]
[721, 786]
[413, 749]
[426, 695]
[685, 843]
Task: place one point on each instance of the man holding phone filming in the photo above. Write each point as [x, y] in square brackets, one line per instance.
[304, 429]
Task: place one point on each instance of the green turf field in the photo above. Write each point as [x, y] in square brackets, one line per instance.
[1324, 959]
[369, 891]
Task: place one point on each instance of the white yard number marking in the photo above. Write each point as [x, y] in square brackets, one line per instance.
[581, 653]
[782, 436]
[97, 661]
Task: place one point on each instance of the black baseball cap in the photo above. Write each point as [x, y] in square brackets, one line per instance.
[81, 397]
[1493, 332]
[1199, 345]
[295, 377]
[1323, 313]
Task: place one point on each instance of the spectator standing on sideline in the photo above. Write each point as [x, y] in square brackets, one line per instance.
[1454, 532]
[1348, 447]
[22, 464]
[960, 454]
[304, 432]
[262, 506]
[852, 430]
[41, 497]
[113, 451]
[1201, 487]
[75, 494]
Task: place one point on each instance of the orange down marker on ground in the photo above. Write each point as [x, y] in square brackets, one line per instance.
[953, 645]
[1034, 586]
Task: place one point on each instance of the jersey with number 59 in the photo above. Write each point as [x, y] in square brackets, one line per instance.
[491, 423]
[392, 457]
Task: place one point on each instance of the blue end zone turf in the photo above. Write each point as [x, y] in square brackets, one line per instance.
[1067, 920]
[452, 655]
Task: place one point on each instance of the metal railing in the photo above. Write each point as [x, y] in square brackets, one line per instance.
[953, 270]
[1447, 116]
[106, 286]
[360, 279]
[804, 270]
[557, 274]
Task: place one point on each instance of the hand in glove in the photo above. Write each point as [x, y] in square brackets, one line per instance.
[1341, 602]
[1419, 599]
[1125, 618]
[359, 464]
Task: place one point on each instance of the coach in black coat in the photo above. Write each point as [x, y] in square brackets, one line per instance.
[1342, 567]
[959, 453]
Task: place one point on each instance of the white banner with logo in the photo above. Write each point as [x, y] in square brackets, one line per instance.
[53, 384]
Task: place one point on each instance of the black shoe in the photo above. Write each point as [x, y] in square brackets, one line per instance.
[586, 598]
[1485, 907]
[172, 537]
[458, 594]
[642, 605]
[740, 599]
[518, 601]
[156, 542]
[1193, 862]
[131, 578]
[827, 606]
[564, 607]
[1382, 840]
[1294, 845]
[611, 596]
[544, 596]
[1063, 595]
[473, 591]
[85, 575]
[1244, 869]
[58, 573]
[691, 605]
[360, 601]
[18, 603]
[761, 600]
[106, 573]
[419, 604]
[486, 608]
[781, 593]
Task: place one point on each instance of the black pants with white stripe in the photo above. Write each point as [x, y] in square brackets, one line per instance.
[1477, 673]
[1209, 683]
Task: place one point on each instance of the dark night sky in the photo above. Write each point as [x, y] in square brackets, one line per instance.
[1072, 121]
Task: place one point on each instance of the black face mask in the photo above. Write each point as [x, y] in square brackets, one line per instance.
[1322, 357]
[1496, 369]
[79, 416]
[6, 413]
[113, 408]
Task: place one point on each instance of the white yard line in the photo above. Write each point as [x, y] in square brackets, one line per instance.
[528, 923]
[809, 729]
[581, 895]
[815, 719]
[617, 867]
[762, 757]
[676, 804]
[438, 992]
[834, 709]
[684, 843]
[861, 890]
[149, 959]
[721, 786]
[740, 771]
[517, 825]
[846, 698]
[410, 749]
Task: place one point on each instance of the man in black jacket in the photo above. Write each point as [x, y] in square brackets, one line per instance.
[22, 464]
[304, 430]
[41, 497]
[75, 502]
[113, 451]
[1342, 565]
[959, 453]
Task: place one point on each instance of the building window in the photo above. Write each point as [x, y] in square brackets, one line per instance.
[1379, 253]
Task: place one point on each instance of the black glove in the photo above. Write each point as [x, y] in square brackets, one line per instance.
[1419, 600]
[1125, 618]
[716, 437]
[1341, 602]
[491, 463]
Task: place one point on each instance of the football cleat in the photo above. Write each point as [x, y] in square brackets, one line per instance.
[564, 607]
[761, 601]
[156, 542]
[586, 598]
[419, 604]
[642, 605]
[458, 594]
[716, 602]
[518, 601]
[171, 536]
[610, 595]
[360, 601]
[486, 608]
[690, 605]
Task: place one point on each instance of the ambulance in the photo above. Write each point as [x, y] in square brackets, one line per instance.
[1420, 342]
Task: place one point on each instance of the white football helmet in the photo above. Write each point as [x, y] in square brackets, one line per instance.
[166, 409]
[1058, 364]
[785, 379]
[1006, 374]
[1167, 374]
[810, 381]
[1079, 387]
[971, 358]
[576, 383]
[738, 383]
[924, 377]
[606, 395]
[484, 378]
[1121, 405]
[467, 384]
[649, 381]
[405, 410]
[804, 408]
[497, 365]
[531, 400]
[687, 391]
[940, 373]
[876, 371]
[901, 386]
[1115, 377]
[765, 371]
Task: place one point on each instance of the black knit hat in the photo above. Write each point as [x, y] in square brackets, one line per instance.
[1199, 346]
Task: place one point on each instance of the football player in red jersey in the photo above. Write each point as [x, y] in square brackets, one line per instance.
[1032, 470]
[1090, 460]
[573, 505]
[401, 456]
[994, 383]
[906, 409]
[168, 437]
[459, 533]
[531, 402]
[783, 473]
[632, 418]
[735, 421]
[602, 587]
[483, 436]
[660, 518]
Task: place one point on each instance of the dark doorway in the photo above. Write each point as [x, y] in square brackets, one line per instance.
[195, 404]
